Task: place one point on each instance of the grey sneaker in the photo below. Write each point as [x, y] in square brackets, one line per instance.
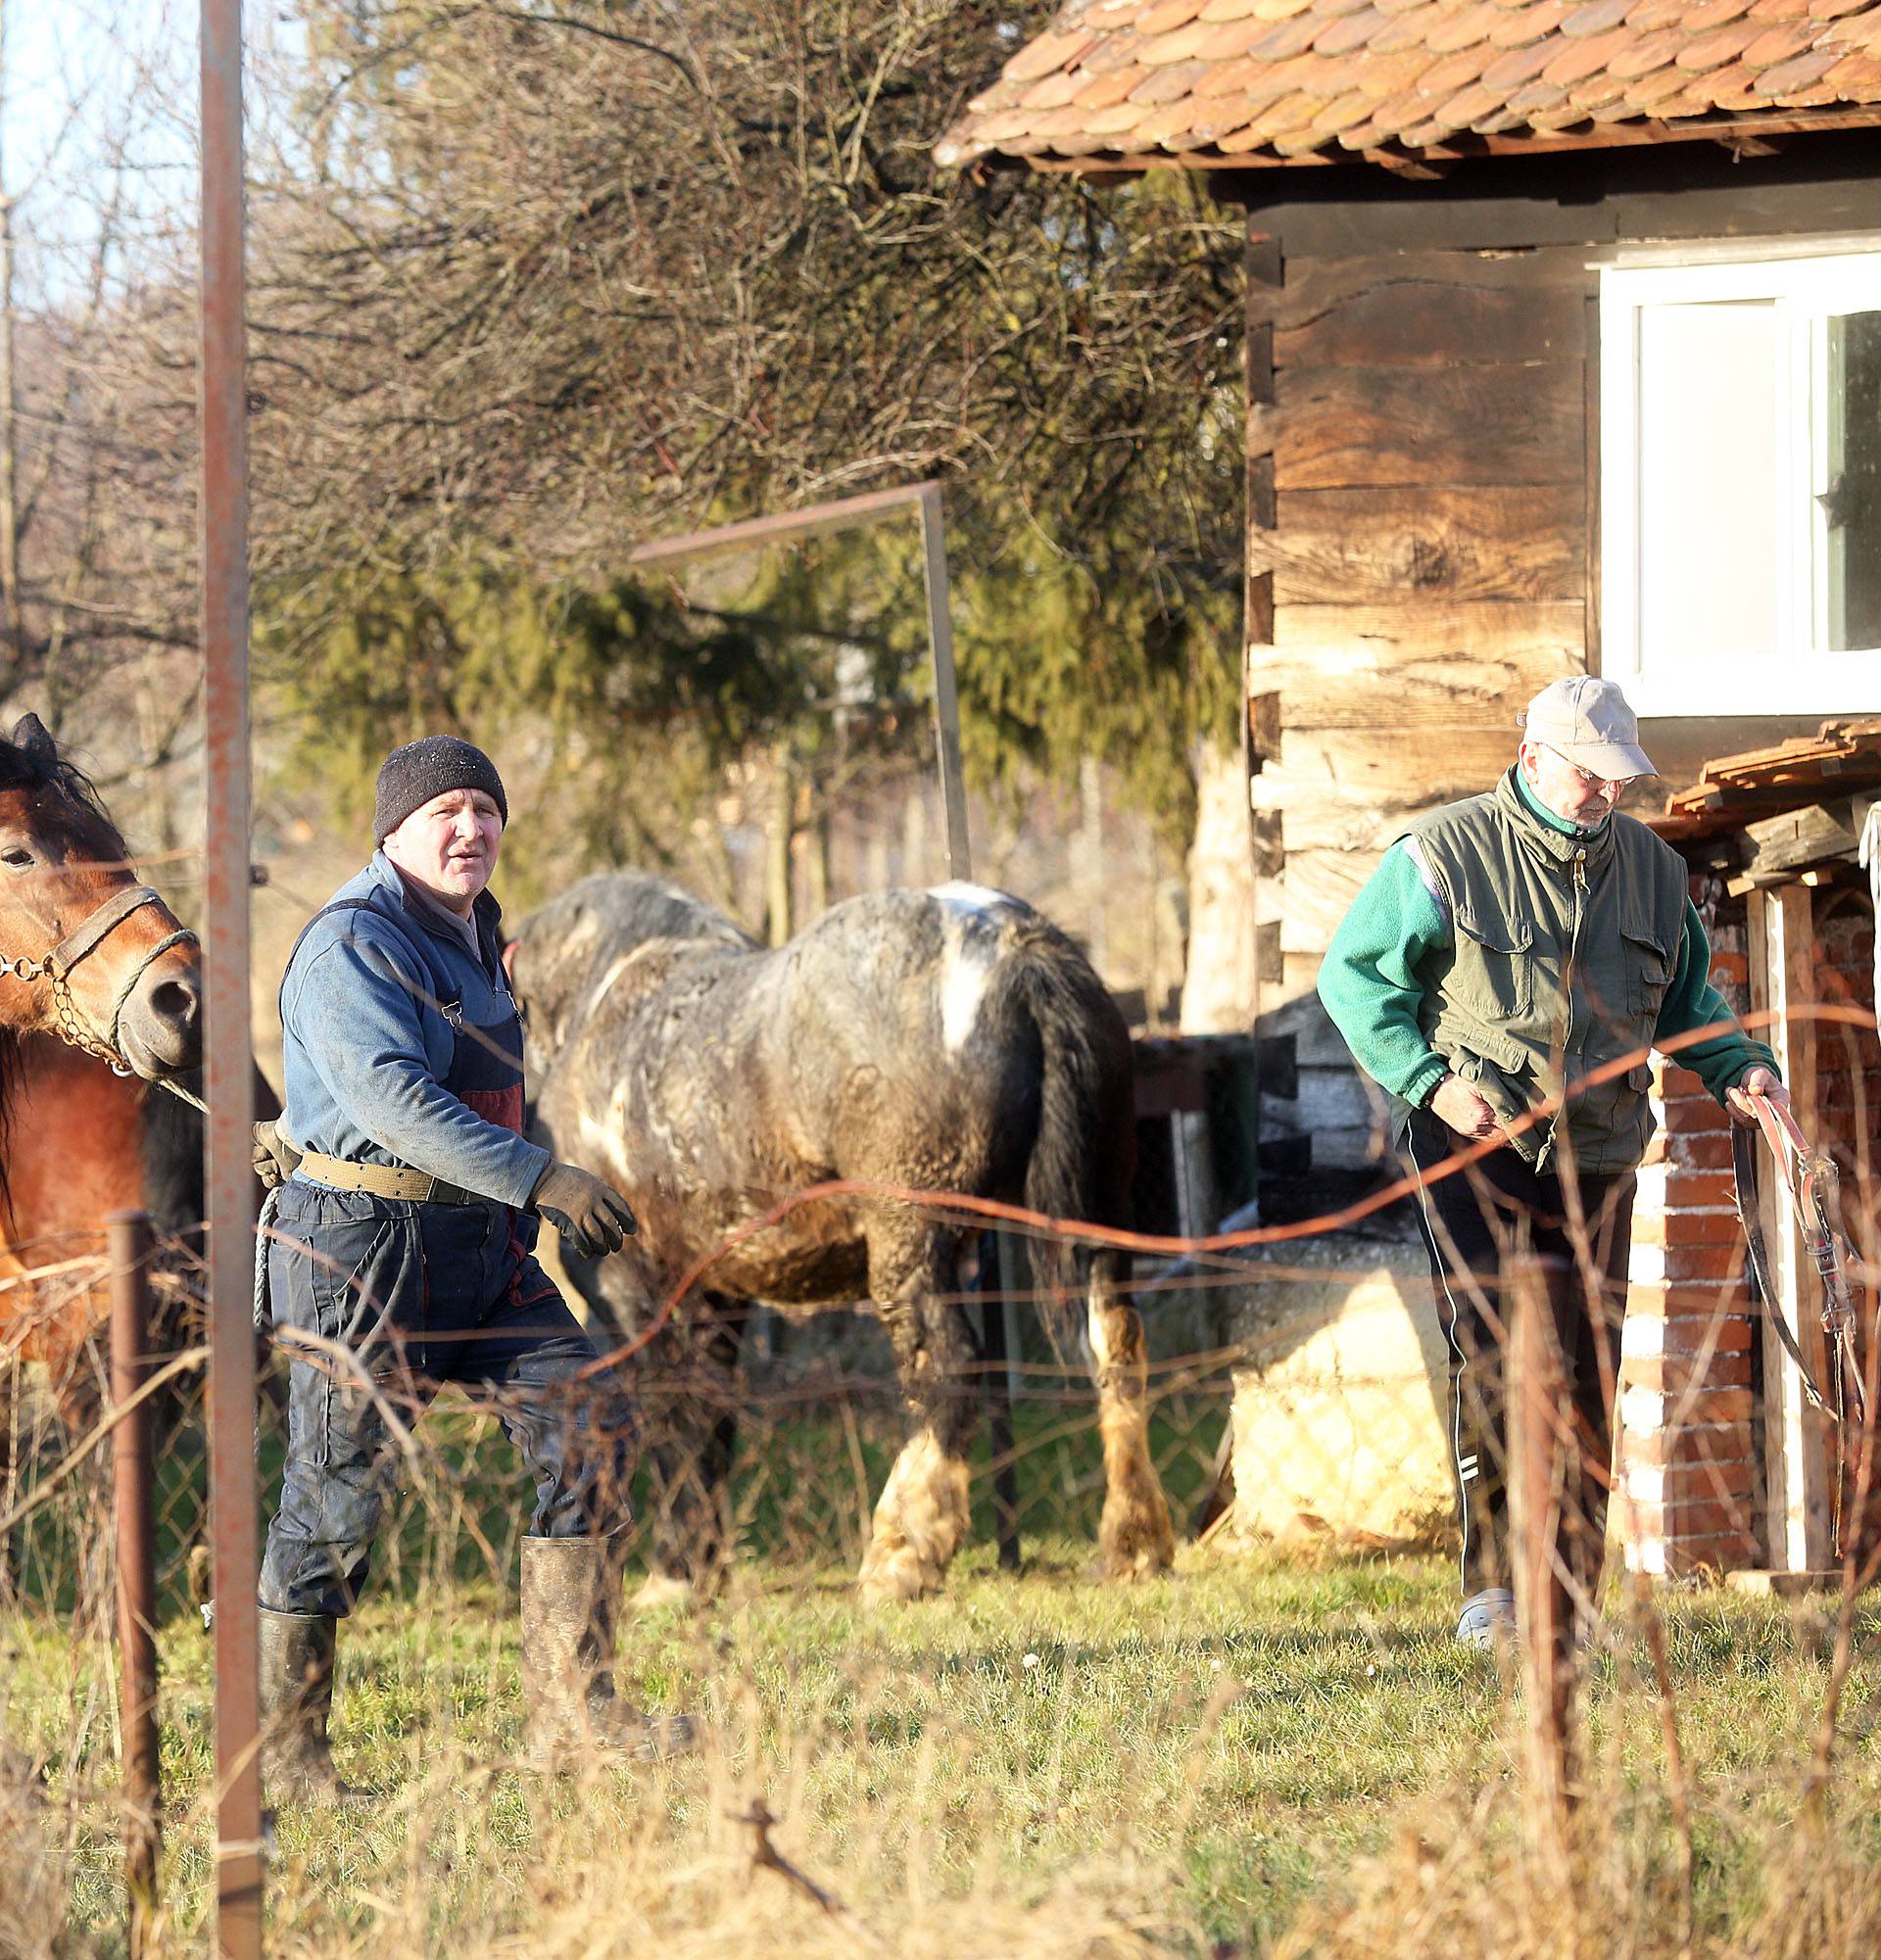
[1487, 1618]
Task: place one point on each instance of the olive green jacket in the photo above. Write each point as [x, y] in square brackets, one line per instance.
[1531, 958]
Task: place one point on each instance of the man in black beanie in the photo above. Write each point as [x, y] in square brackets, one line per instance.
[404, 1236]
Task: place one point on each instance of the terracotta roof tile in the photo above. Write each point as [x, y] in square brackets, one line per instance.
[1049, 52]
[1167, 15]
[1597, 92]
[1355, 30]
[1509, 70]
[1575, 61]
[1109, 87]
[1521, 26]
[1856, 71]
[1713, 50]
[1344, 112]
[1169, 84]
[1461, 27]
[1779, 41]
[1290, 77]
[1803, 71]
[1651, 13]
[1652, 91]
[1714, 13]
[1230, 39]
[1595, 18]
[1183, 45]
[1453, 74]
[1280, 40]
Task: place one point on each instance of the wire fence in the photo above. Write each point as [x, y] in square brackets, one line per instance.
[1295, 1390]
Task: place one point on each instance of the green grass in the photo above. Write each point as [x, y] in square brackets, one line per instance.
[1276, 1753]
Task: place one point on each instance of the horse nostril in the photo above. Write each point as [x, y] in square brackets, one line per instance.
[174, 1003]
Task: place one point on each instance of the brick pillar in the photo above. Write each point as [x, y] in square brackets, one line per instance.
[1688, 1469]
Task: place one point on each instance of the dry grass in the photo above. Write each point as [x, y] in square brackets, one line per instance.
[1261, 1756]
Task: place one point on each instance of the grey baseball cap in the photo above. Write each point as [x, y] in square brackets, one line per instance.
[1587, 720]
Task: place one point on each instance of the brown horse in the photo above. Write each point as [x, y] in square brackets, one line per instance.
[98, 982]
[949, 1040]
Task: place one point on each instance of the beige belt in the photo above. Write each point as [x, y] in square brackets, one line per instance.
[385, 1180]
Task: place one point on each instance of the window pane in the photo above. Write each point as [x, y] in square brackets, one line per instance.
[1708, 482]
[1852, 502]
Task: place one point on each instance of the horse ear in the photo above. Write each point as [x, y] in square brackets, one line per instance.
[29, 733]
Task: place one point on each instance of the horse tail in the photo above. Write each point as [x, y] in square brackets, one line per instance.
[1083, 1160]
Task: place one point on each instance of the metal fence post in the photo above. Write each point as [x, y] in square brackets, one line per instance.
[129, 1240]
[1540, 1442]
[229, 1073]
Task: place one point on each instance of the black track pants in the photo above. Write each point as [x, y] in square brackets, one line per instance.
[1474, 1221]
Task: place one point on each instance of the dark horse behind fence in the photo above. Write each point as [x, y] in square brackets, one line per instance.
[94, 960]
[948, 1040]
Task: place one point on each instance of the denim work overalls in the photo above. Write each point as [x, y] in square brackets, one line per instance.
[393, 1299]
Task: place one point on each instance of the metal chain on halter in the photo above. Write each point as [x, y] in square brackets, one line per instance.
[85, 938]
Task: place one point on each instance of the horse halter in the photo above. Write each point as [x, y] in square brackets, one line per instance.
[84, 939]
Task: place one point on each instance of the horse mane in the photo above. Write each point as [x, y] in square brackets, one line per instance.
[30, 767]
[44, 768]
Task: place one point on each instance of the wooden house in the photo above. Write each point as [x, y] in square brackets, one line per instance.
[1564, 353]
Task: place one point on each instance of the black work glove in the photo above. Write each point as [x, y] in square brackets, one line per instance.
[593, 1216]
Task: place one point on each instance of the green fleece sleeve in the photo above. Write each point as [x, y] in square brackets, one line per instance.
[1722, 1061]
[1368, 981]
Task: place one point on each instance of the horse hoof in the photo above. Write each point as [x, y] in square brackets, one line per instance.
[660, 1590]
[899, 1577]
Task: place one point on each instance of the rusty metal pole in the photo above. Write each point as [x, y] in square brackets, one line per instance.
[128, 1239]
[947, 701]
[231, 1214]
[1541, 1438]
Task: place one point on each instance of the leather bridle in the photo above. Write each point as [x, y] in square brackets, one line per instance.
[1810, 1180]
[72, 950]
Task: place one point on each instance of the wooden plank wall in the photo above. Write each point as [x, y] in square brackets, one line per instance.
[1426, 554]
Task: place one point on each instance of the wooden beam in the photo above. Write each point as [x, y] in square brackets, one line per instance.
[1796, 1441]
[1259, 719]
[1798, 837]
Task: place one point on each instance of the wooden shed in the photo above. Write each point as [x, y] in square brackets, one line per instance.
[1564, 355]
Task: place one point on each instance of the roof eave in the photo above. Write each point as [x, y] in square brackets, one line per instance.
[1738, 131]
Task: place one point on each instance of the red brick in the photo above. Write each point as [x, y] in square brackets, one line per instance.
[1669, 1373]
[1717, 1483]
[1694, 1334]
[1719, 1519]
[1730, 969]
[1696, 1300]
[1699, 1187]
[1688, 1227]
[1702, 1151]
[1720, 1405]
[1686, 1116]
[1705, 1261]
[1688, 1443]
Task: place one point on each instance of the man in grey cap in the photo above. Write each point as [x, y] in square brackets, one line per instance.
[1502, 976]
[402, 1258]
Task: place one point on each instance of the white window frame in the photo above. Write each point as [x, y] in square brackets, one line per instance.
[1797, 675]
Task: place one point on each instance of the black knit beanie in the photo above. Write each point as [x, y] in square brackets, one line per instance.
[409, 776]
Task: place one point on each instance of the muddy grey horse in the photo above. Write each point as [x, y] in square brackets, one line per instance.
[947, 1040]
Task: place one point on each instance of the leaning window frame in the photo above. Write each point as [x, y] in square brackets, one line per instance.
[1799, 676]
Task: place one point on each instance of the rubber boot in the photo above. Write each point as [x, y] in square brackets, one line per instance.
[570, 1606]
[297, 1698]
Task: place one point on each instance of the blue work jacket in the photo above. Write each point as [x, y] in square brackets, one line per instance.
[382, 1005]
